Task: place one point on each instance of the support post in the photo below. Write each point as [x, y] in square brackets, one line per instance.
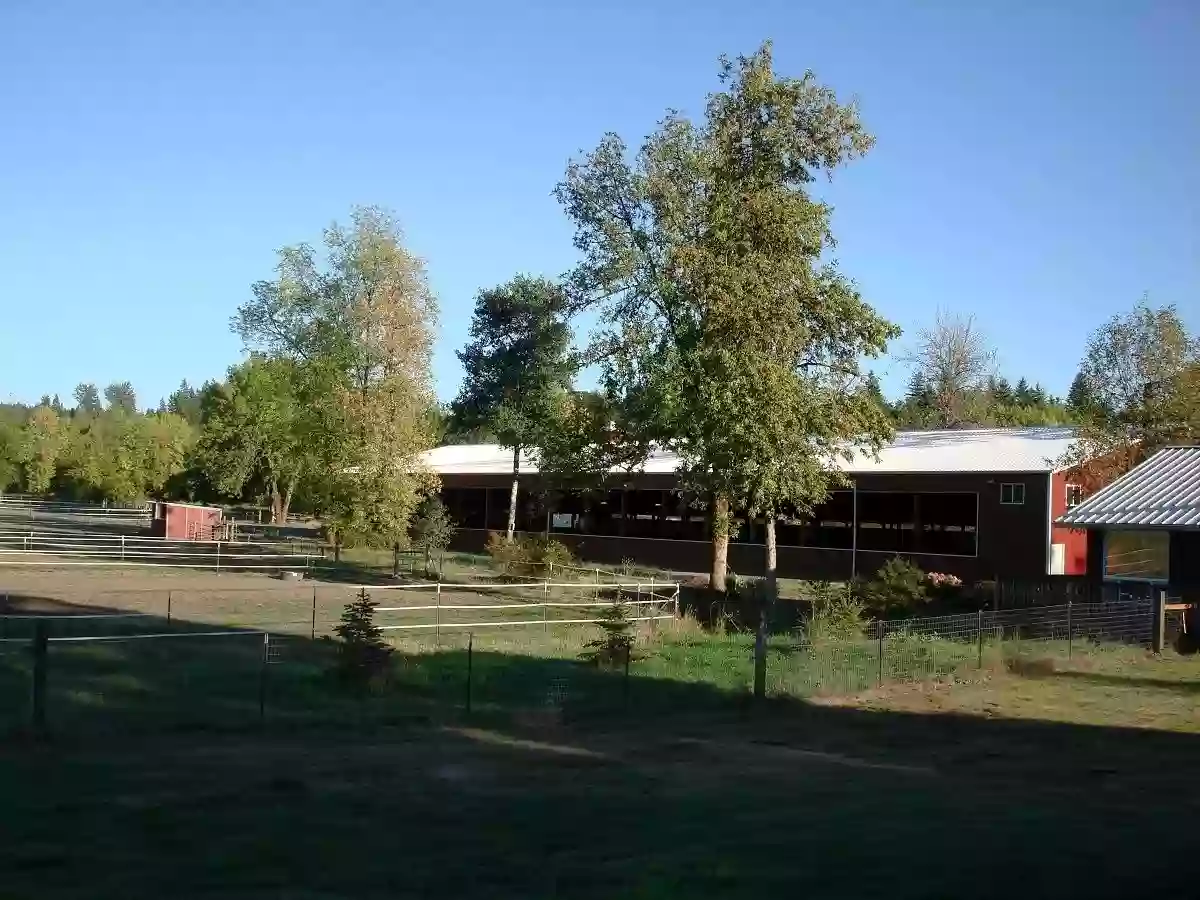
[168, 606]
[880, 626]
[262, 677]
[218, 557]
[122, 548]
[437, 616]
[41, 661]
[625, 683]
[312, 631]
[979, 637]
[1158, 629]
[470, 656]
[1070, 633]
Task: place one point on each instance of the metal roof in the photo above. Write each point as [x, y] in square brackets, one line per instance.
[1162, 492]
[1024, 450]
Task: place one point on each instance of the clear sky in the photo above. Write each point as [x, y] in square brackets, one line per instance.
[1037, 164]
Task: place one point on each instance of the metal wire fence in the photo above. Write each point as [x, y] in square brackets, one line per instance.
[129, 672]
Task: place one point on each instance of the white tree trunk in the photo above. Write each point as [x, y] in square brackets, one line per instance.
[766, 602]
[512, 494]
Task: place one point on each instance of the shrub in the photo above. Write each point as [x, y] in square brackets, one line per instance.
[504, 553]
[616, 645]
[362, 652]
[528, 556]
[432, 529]
[556, 553]
[837, 615]
[898, 587]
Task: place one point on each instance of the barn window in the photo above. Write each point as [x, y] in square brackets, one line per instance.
[1074, 495]
[1137, 555]
[1012, 494]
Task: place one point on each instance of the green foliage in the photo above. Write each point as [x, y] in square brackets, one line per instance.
[898, 587]
[121, 398]
[87, 399]
[257, 431]
[527, 555]
[518, 366]
[837, 615]
[1139, 388]
[359, 323]
[703, 259]
[363, 654]
[42, 441]
[615, 646]
[432, 529]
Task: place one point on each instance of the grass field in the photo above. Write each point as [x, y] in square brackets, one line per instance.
[1031, 776]
[795, 799]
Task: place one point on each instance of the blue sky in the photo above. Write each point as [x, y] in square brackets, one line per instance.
[1037, 164]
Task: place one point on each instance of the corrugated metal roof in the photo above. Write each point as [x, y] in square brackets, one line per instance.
[1162, 492]
[967, 450]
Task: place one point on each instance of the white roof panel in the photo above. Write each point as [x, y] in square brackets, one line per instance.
[1162, 492]
[966, 450]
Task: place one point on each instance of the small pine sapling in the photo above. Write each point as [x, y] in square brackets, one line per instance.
[362, 652]
[616, 644]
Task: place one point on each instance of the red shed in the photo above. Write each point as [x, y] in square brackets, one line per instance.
[186, 521]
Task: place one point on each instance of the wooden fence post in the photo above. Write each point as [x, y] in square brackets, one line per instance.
[1158, 623]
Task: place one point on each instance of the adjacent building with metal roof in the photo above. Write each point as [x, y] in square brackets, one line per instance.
[1162, 492]
[1145, 526]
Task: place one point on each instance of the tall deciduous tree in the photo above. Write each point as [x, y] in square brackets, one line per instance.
[257, 430]
[723, 334]
[121, 397]
[42, 442]
[518, 369]
[87, 399]
[1140, 377]
[955, 361]
[362, 325]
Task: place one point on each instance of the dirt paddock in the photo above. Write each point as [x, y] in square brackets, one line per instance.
[264, 600]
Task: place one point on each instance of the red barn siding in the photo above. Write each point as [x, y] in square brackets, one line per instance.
[1074, 540]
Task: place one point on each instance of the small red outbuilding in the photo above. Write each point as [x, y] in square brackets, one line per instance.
[186, 521]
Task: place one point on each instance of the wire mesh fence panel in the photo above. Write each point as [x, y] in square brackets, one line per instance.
[134, 683]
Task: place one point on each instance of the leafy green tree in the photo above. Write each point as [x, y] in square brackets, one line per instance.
[518, 368]
[42, 441]
[10, 455]
[1141, 373]
[256, 429]
[723, 335]
[1001, 391]
[362, 328]
[87, 399]
[875, 392]
[121, 397]
[187, 402]
[432, 529]
[1079, 397]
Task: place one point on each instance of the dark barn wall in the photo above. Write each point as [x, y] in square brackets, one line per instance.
[1011, 539]
[1185, 559]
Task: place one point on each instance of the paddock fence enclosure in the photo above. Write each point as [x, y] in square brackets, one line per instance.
[516, 649]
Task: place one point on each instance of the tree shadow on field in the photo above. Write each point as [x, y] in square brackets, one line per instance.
[562, 779]
[1127, 681]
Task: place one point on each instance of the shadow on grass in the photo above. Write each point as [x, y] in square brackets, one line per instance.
[1130, 681]
[561, 780]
